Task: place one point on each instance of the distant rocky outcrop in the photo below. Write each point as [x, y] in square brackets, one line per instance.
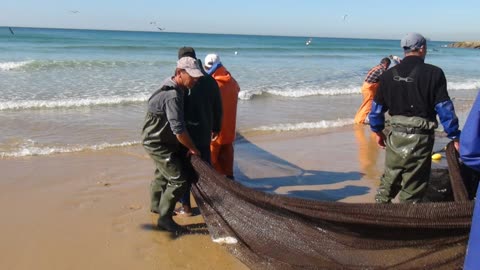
[466, 44]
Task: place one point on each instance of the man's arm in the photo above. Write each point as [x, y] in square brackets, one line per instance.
[185, 139]
[444, 108]
[376, 119]
[448, 118]
[174, 112]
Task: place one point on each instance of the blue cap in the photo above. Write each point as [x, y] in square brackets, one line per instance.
[412, 42]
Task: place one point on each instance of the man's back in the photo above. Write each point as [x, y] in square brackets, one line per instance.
[229, 89]
[412, 88]
[203, 110]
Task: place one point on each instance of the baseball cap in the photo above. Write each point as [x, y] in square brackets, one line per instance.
[190, 65]
[211, 60]
[412, 41]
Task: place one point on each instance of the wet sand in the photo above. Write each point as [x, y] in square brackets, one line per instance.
[344, 164]
[90, 210]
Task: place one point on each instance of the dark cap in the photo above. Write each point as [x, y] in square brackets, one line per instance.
[412, 42]
[186, 51]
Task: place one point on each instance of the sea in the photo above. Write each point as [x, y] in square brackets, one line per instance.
[64, 90]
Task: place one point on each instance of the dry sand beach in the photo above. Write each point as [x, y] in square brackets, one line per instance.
[89, 210]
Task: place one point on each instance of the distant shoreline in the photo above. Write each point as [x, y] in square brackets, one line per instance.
[466, 44]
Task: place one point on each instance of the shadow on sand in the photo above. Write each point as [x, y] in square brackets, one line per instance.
[275, 173]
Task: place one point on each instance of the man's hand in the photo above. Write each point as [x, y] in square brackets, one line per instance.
[214, 136]
[380, 137]
[456, 144]
[193, 152]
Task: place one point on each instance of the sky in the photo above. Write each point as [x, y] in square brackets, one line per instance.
[438, 20]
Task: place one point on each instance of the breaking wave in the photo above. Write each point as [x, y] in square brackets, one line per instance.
[306, 125]
[6, 66]
[297, 93]
[30, 149]
[75, 64]
[70, 103]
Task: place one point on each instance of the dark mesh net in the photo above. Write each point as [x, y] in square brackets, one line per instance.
[280, 232]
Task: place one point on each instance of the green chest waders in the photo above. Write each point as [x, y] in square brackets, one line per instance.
[408, 154]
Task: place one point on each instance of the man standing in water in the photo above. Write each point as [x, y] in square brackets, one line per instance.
[222, 147]
[163, 132]
[369, 88]
[413, 93]
[203, 116]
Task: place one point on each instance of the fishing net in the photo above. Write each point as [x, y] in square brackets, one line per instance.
[268, 231]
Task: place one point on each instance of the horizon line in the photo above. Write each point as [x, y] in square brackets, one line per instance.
[203, 33]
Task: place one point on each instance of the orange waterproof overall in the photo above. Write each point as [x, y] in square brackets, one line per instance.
[222, 147]
[368, 91]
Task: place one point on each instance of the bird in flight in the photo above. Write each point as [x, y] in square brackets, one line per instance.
[74, 11]
[344, 17]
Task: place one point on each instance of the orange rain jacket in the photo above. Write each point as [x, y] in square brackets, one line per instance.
[229, 90]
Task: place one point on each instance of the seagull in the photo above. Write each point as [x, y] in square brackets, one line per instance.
[161, 29]
[345, 17]
[11, 30]
[74, 11]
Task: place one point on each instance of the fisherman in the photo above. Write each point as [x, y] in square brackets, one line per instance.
[222, 147]
[203, 116]
[470, 155]
[369, 88]
[163, 131]
[470, 138]
[413, 93]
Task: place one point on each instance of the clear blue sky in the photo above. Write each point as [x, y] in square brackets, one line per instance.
[439, 20]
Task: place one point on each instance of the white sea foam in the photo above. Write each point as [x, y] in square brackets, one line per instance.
[30, 149]
[247, 95]
[315, 92]
[297, 93]
[73, 64]
[332, 91]
[5, 66]
[306, 125]
[466, 85]
[70, 103]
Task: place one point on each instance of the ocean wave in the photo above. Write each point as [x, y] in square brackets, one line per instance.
[29, 149]
[72, 64]
[70, 103]
[6, 66]
[334, 91]
[113, 47]
[306, 125]
[466, 85]
[297, 93]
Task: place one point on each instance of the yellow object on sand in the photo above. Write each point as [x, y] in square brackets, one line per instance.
[437, 156]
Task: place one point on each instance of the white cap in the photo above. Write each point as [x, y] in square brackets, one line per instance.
[190, 65]
[396, 58]
[211, 60]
